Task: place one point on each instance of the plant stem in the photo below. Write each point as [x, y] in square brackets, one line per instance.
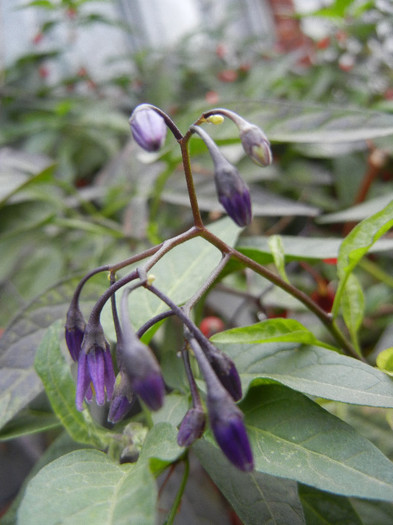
[176, 504]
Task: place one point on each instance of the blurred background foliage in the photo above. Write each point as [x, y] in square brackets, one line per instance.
[75, 192]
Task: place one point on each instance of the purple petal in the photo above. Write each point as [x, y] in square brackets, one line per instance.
[109, 378]
[96, 366]
[83, 381]
[74, 339]
[148, 128]
[119, 407]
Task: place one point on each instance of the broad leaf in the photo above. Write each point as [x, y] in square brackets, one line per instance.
[179, 274]
[313, 371]
[359, 212]
[321, 508]
[269, 331]
[293, 437]
[160, 447]
[19, 383]
[60, 388]
[373, 512]
[255, 497]
[300, 248]
[385, 361]
[357, 244]
[84, 487]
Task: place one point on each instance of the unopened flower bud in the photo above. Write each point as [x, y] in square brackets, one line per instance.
[74, 331]
[256, 144]
[226, 372]
[95, 367]
[233, 193]
[226, 421]
[122, 398]
[148, 128]
[192, 427]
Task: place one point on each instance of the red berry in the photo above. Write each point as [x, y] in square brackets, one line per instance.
[211, 325]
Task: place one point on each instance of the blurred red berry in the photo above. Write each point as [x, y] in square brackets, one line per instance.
[212, 97]
[324, 297]
[332, 261]
[324, 43]
[38, 38]
[43, 71]
[228, 75]
[211, 325]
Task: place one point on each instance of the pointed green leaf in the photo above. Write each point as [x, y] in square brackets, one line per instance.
[353, 307]
[86, 487]
[59, 385]
[160, 447]
[385, 361]
[293, 437]
[313, 371]
[357, 244]
[271, 330]
[277, 248]
[255, 497]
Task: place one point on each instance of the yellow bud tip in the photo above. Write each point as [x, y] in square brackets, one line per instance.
[215, 119]
[150, 279]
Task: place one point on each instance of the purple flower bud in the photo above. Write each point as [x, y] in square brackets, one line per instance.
[143, 372]
[233, 193]
[95, 367]
[256, 144]
[74, 331]
[226, 421]
[148, 128]
[226, 372]
[192, 427]
[122, 398]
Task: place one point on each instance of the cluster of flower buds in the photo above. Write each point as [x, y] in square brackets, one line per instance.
[148, 128]
[134, 371]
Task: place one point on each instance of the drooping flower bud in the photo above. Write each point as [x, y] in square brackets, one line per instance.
[148, 128]
[140, 364]
[74, 331]
[95, 367]
[192, 427]
[226, 372]
[256, 144]
[226, 421]
[233, 193]
[122, 398]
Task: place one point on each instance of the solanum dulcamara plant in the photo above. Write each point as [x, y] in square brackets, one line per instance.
[250, 406]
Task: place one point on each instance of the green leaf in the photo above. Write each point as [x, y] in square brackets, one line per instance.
[313, 371]
[19, 383]
[359, 212]
[59, 385]
[385, 361]
[277, 248]
[86, 487]
[179, 274]
[293, 437]
[353, 307]
[357, 244]
[160, 447]
[271, 330]
[300, 248]
[29, 422]
[255, 497]
[373, 512]
[321, 508]
[296, 122]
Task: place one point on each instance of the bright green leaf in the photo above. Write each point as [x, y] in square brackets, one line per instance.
[353, 307]
[385, 361]
[357, 244]
[255, 497]
[86, 487]
[313, 371]
[277, 248]
[278, 330]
